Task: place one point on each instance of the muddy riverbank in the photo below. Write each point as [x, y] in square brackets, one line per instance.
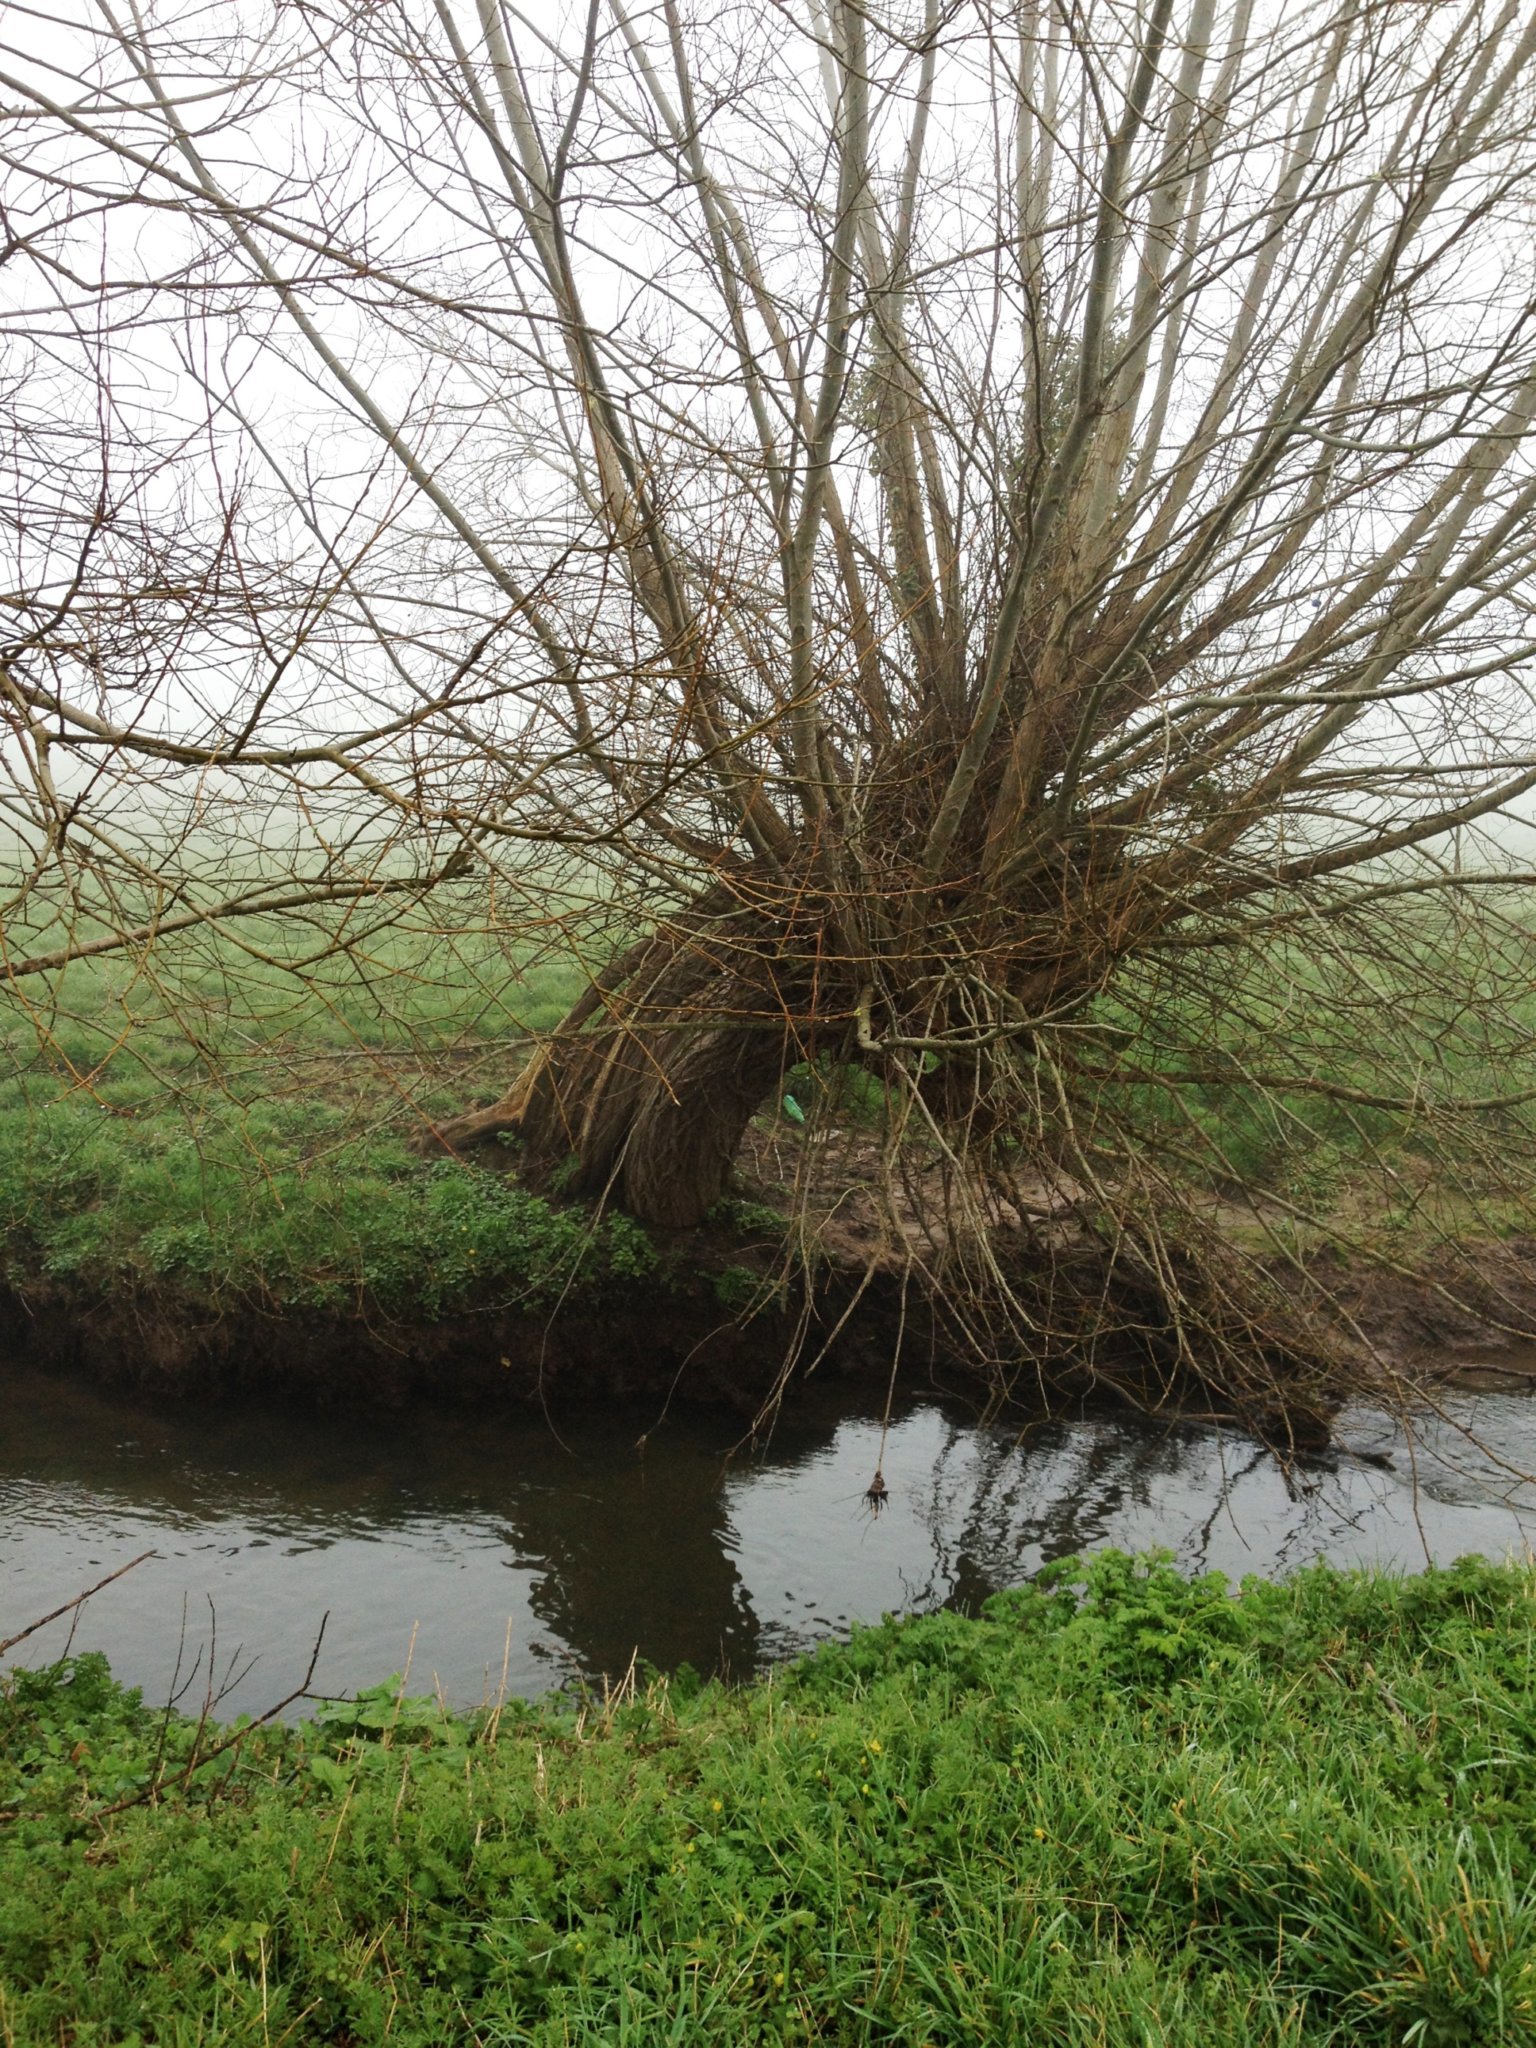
[715, 1326]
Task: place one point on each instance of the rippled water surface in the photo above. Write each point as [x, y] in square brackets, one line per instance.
[468, 1545]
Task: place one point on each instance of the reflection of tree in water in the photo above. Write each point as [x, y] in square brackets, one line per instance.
[640, 1557]
[651, 1558]
[630, 1550]
[1054, 1491]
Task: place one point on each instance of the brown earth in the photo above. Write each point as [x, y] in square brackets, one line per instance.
[1471, 1321]
[731, 1322]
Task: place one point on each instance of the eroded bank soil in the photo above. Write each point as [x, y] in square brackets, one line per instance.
[727, 1319]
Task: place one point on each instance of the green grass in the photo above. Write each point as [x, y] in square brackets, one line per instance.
[221, 1119]
[225, 1123]
[204, 1225]
[226, 1132]
[1120, 1809]
[1411, 1018]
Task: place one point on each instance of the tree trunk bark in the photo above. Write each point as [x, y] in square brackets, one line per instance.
[643, 1094]
[648, 1106]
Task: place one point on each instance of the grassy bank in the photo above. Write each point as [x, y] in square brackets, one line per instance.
[207, 1137]
[223, 1138]
[202, 1224]
[1120, 1808]
[206, 1149]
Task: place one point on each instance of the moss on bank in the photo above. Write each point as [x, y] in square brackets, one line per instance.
[290, 1254]
[227, 1218]
[1119, 1808]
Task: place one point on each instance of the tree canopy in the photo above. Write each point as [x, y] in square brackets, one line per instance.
[983, 536]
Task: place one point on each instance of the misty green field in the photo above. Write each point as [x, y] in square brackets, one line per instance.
[234, 1117]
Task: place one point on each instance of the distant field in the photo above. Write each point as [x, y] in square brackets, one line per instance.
[228, 1113]
[1371, 1081]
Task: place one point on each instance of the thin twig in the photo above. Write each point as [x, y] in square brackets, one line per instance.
[79, 1600]
[153, 1790]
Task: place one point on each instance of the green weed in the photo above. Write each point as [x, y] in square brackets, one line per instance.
[1121, 1807]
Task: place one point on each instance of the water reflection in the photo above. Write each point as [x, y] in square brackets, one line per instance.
[453, 1538]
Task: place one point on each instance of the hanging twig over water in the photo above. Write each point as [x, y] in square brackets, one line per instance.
[79, 1600]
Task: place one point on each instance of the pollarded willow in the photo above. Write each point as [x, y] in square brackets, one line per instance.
[973, 529]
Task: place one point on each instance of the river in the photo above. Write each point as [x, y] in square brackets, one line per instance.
[470, 1548]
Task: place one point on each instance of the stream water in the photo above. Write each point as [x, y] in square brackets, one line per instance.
[471, 1546]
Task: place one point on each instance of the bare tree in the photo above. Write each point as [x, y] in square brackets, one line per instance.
[966, 525]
